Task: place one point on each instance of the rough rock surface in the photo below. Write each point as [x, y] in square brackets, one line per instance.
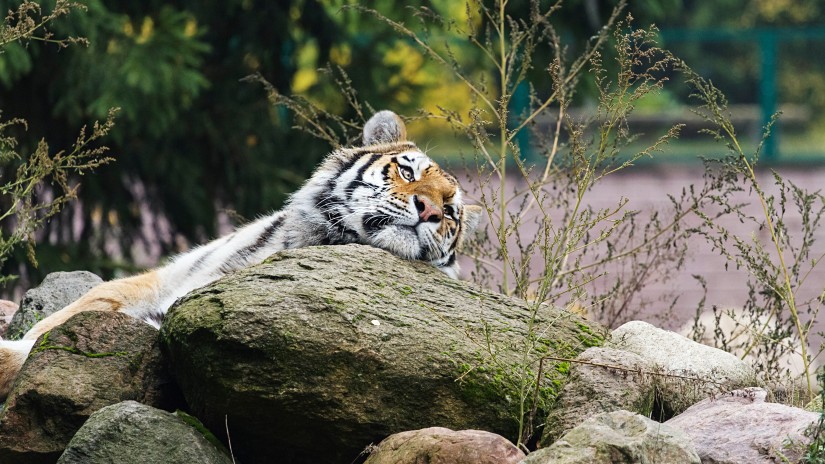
[58, 290]
[669, 353]
[438, 445]
[740, 426]
[618, 437]
[93, 360]
[7, 310]
[130, 432]
[592, 388]
[319, 351]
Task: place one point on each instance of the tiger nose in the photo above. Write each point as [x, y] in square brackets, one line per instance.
[427, 211]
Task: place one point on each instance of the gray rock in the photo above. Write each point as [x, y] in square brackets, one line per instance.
[740, 426]
[688, 371]
[58, 290]
[130, 432]
[618, 437]
[592, 388]
[320, 350]
[646, 370]
[93, 360]
[439, 445]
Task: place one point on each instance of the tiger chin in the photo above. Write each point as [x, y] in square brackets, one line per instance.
[386, 193]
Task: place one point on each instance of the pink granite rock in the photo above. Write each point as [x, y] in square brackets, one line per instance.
[439, 445]
[740, 426]
[7, 310]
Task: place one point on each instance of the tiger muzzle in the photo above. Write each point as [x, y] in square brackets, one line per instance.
[427, 211]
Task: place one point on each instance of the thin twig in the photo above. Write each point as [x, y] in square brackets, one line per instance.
[228, 438]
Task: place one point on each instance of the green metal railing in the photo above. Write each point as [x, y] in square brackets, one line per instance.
[768, 40]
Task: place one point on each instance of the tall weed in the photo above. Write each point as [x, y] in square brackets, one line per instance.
[35, 186]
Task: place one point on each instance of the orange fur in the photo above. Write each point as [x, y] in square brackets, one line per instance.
[433, 184]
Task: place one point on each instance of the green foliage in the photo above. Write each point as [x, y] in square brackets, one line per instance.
[151, 67]
[27, 22]
[194, 141]
[734, 67]
[35, 186]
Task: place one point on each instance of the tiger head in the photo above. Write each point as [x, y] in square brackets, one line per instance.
[391, 195]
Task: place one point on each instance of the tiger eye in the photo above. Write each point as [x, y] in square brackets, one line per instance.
[406, 173]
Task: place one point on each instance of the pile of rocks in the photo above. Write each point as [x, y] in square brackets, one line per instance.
[349, 354]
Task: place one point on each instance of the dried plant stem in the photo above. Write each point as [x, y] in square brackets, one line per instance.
[772, 303]
[637, 370]
[788, 294]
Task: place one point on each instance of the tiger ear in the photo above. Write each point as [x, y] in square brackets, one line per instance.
[384, 127]
[471, 219]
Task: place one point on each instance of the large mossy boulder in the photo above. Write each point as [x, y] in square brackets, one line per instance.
[93, 360]
[318, 352]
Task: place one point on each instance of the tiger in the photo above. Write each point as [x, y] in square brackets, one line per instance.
[386, 193]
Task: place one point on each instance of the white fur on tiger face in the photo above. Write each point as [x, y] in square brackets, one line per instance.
[387, 194]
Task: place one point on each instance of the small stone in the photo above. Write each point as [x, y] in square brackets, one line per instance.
[7, 310]
[439, 445]
[690, 371]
